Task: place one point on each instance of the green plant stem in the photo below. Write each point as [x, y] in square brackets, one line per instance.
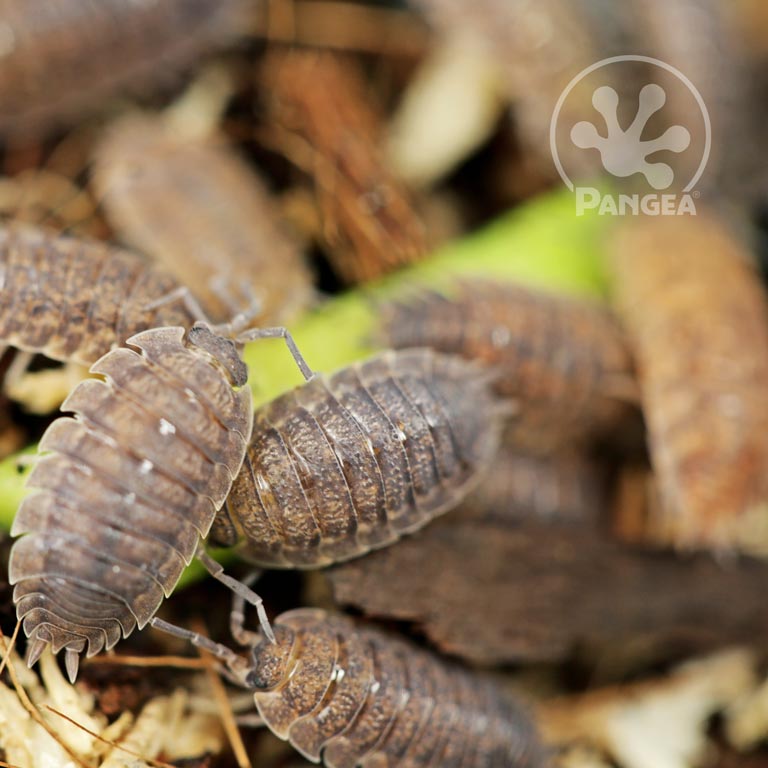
[542, 243]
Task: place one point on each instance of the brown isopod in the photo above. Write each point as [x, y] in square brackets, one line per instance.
[126, 489]
[352, 461]
[564, 361]
[353, 695]
[62, 58]
[73, 299]
[193, 204]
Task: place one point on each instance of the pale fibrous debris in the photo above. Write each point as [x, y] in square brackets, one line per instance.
[428, 137]
[660, 723]
[42, 392]
[171, 725]
[746, 720]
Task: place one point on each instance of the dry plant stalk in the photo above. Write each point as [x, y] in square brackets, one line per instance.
[193, 204]
[564, 362]
[697, 319]
[322, 120]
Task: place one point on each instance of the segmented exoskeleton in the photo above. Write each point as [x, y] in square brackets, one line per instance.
[74, 300]
[60, 59]
[192, 204]
[352, 461]
[697, 318]
[125, 490]
[564, 361]
[353, 695]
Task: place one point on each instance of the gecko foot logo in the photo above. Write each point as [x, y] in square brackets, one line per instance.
[652, 151]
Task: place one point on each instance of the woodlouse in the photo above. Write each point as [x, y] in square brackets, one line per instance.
[355, 696]
[352, 461]
[697, 317]
[60, 59]
[127, 488]
[73, 299]
[565, 361]
[193, 205]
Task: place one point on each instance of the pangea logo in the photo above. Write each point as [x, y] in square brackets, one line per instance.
[657, 138]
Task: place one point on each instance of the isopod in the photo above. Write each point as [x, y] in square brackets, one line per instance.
[73, 299]
[354, 695]
[192, 204]
[565, 361]
[126, 489]
[352, 461]
[60, 59]
[697, 318]
[564, 486]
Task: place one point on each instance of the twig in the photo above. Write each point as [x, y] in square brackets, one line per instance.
[174, 662]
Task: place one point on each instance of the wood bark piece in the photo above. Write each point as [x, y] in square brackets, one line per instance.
[536, 591]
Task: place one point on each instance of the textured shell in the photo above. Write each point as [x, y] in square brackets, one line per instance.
[195, 206]
[698, 319]
[359, 697]
[74, 300]
[352, 461]
[565, 361]
[565, 486]
[126, 488]
[60, 59]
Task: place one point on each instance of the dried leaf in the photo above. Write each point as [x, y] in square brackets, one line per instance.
[654, 724]
[167, 725]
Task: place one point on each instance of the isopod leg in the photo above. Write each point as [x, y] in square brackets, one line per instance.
[183, 295]
[243, 636]
[279, 333]
[241, 320]
[227, 655]
[247, 594]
